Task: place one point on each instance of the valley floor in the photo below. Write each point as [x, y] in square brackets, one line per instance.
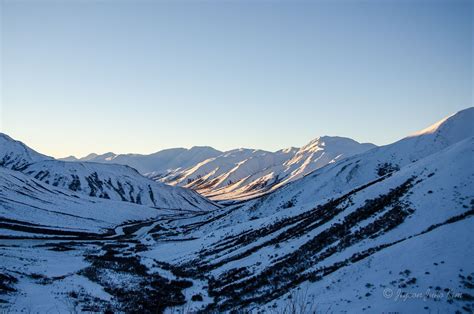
[132, 271]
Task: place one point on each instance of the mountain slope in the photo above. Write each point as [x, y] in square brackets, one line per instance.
[245, 173]
[16, 155]
[108, 181]
[336, 176]
[115, 182]
[29, 207]
[49, 237]
[348, 174]
[405, 230]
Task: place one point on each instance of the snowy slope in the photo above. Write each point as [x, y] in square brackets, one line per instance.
[347, 174]
[108, 181]
[245, 173]
[406, 231]
[27, 202]
[115, 182]
[158, 163]
[230, 167]
[210, 178]
[387, 230]
[16, 155]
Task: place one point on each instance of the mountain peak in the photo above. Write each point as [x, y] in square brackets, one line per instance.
[203, 148]
[331, 142]
[454, 127]
[288, 150]
[68, 158]
[15, 155]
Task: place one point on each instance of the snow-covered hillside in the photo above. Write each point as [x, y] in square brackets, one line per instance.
[16, 155]
[108, 181]
[361, 234]
[347, 174]
[245, 173]
[115, 182]
[48, 237]
[32, 208]
[385, 230]
[228, 168]
[406, 231]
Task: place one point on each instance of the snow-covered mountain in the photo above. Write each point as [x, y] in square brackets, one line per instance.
[403, 233]
[109, 181]
[157, 163]
[115, 182]
[31, 208]
[235, 174]
[348, 174]
[245, 173]
[385, 230]
[226, 169]
[16, 155]
[360, 234]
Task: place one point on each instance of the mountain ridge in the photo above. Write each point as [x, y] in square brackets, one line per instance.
[108, 181]
[231, 176]
[237, 173]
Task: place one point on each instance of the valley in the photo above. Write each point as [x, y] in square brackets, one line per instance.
[381, 229]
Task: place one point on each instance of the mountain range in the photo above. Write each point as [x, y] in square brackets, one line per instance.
[235, 174]
[159, 162]
[334, 226]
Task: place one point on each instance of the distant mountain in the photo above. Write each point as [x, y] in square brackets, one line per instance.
[108, 181]
[69, 158]
[235, 174]
[157, 163]
[244, 173]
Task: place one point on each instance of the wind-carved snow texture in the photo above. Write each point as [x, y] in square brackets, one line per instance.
[384, 230]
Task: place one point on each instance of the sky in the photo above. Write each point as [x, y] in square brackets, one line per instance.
[140, 76]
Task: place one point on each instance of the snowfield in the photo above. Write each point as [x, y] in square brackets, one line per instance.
[352, 228]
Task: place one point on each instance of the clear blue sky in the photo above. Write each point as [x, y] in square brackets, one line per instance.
[139, 76]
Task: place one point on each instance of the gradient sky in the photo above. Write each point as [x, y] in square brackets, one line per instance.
[139, 76]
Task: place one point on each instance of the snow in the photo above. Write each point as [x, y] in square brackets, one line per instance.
[111, 181]
[154, 164]
[417, 255]
[445, 191]
[16, 155]
[244, 173]
[326, 238]
[116, 182]
[236, 174]
[60, 209]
